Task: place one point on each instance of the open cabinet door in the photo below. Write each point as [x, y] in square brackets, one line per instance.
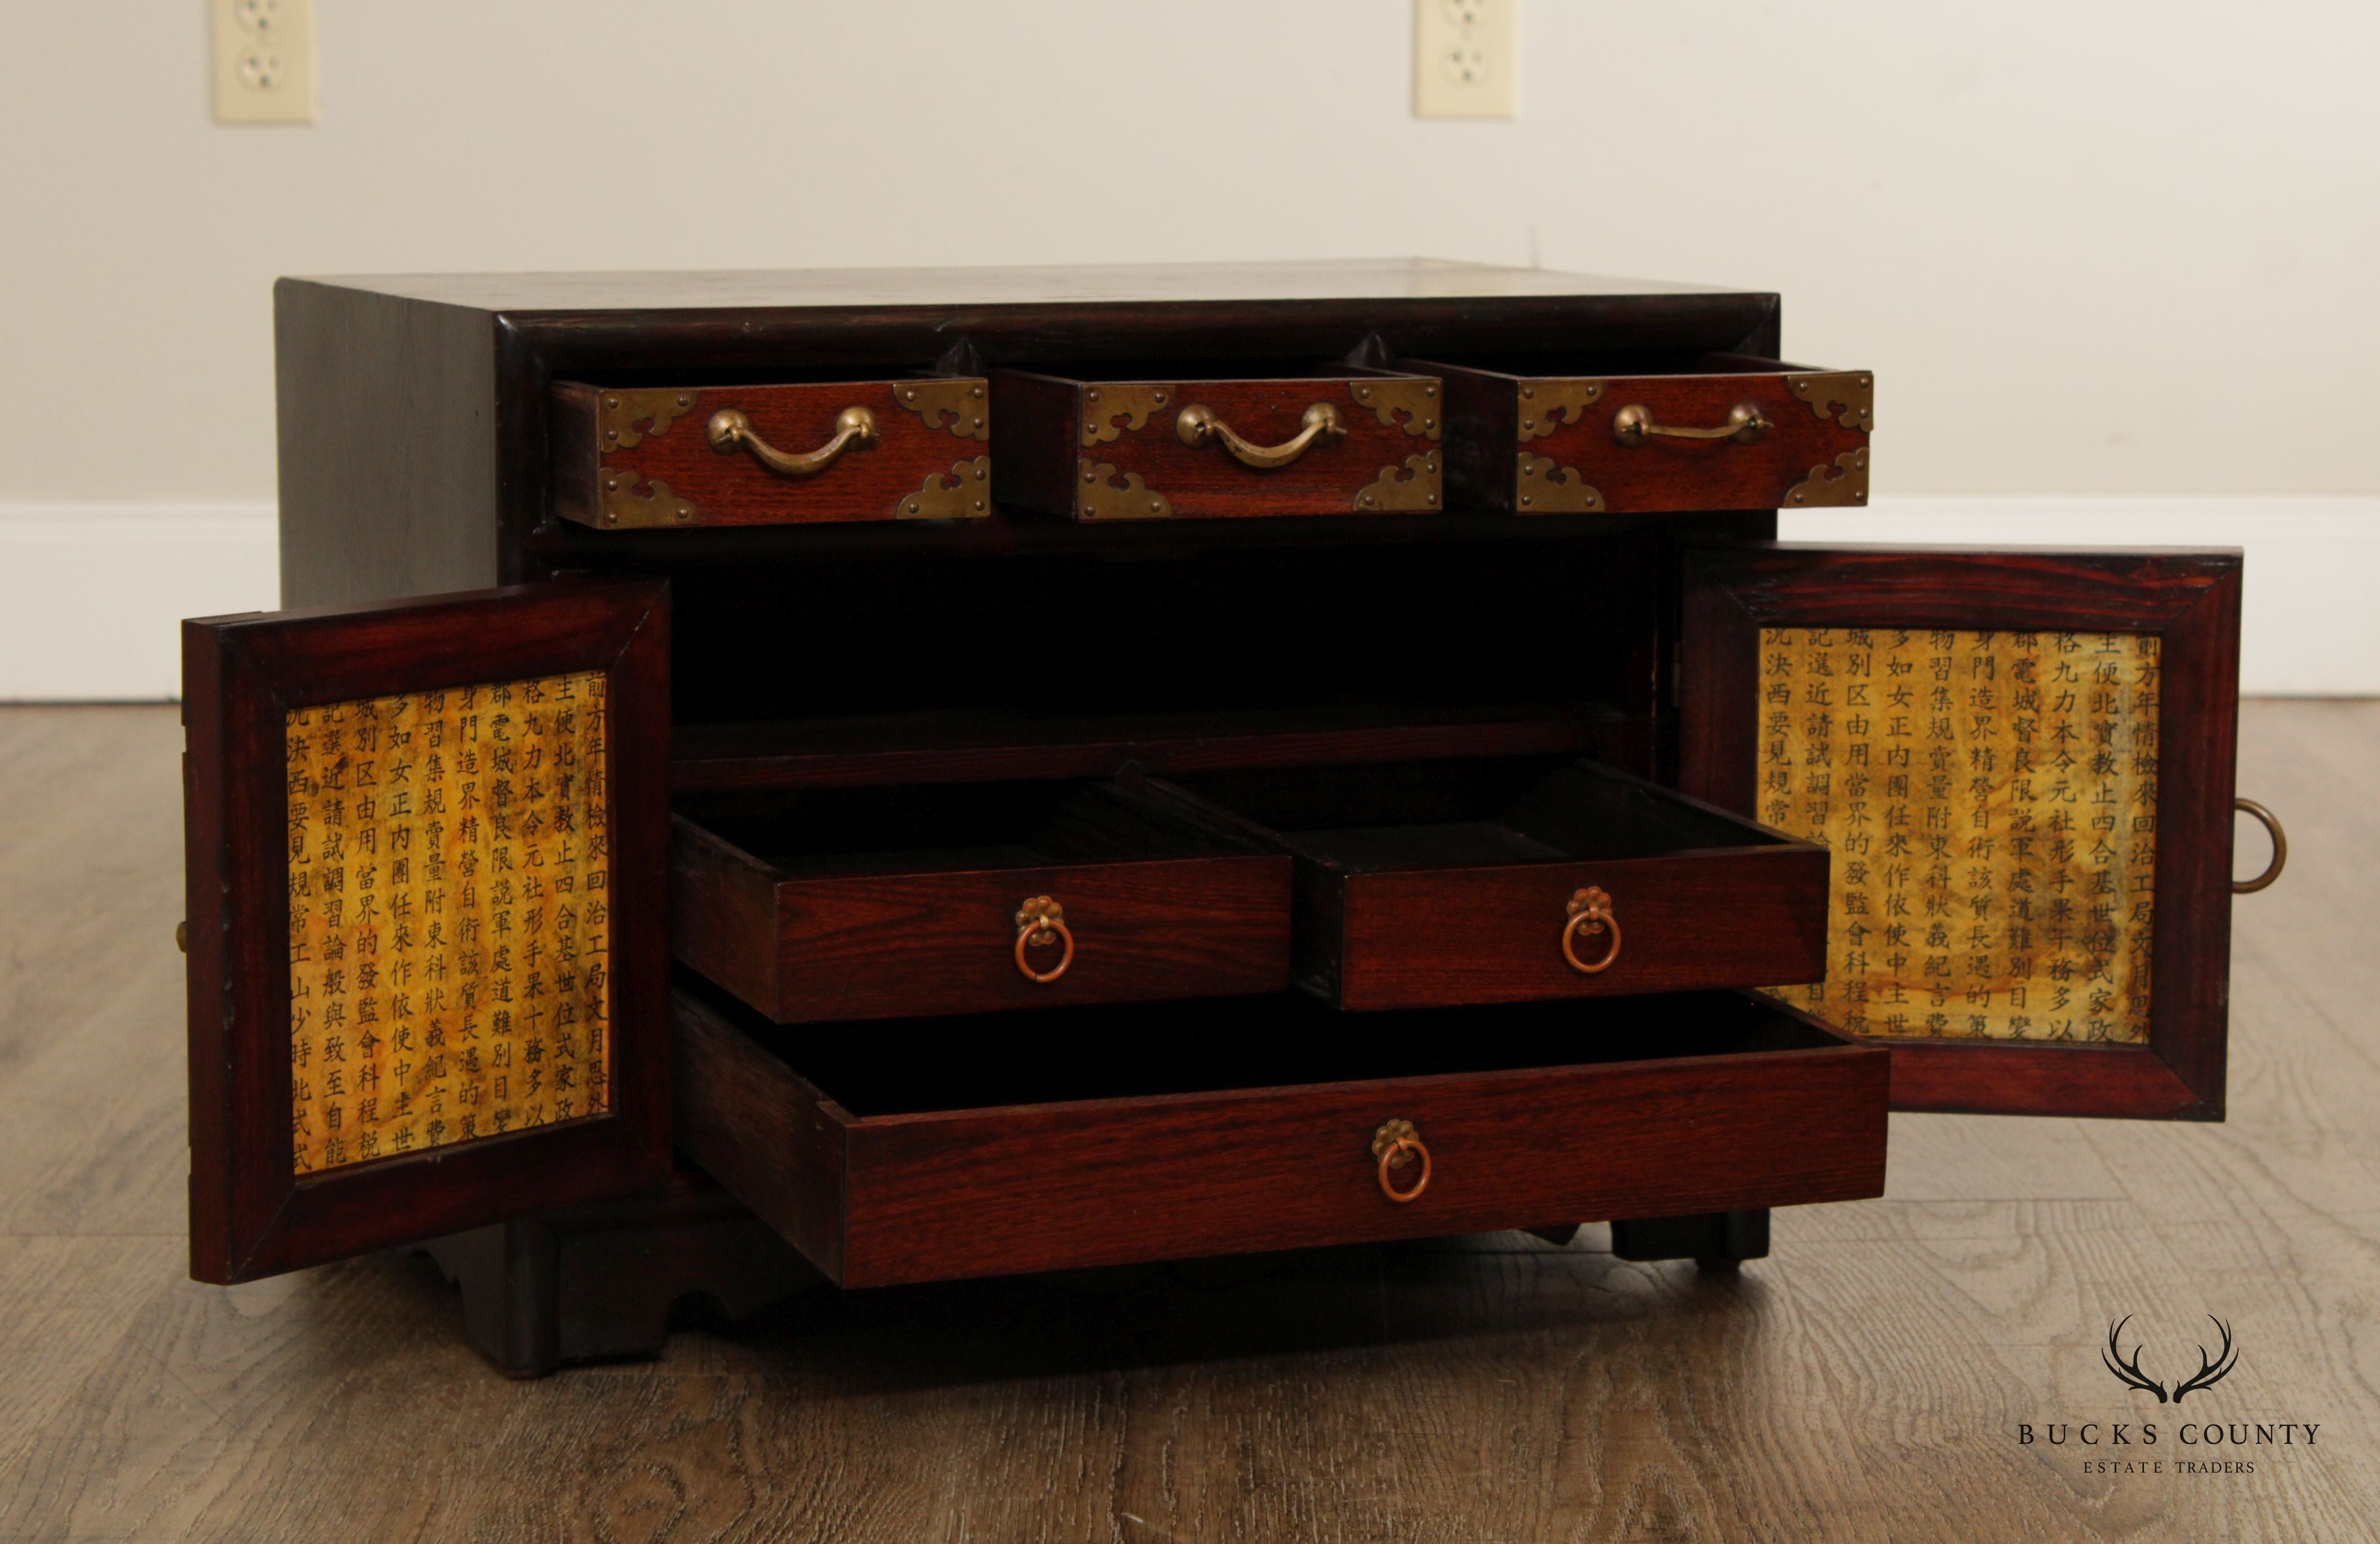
[426, 849]
[2022, 765]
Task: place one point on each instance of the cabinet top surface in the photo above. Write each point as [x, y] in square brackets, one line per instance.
[1137, 284]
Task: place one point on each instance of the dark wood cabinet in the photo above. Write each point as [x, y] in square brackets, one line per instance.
[831, 794]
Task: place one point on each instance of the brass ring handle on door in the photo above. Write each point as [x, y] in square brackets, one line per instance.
[1590, 911]
[2272, 824]
[1198, 426]
[1397, 1144]
[730, 431]
[1041, 922]
[1633, 425]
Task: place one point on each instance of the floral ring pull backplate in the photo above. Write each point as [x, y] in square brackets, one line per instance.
[1041, 922]
[1396, 1145]
[1590, 912]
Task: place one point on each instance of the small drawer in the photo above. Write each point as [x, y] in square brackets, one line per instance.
[1166, 1131]
[815, 451]
[1551, 435]
[1506, 879]
[873, 902]
[1207, 440]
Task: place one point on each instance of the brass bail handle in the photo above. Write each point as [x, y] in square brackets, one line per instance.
[1039, 923]
[1198, 426]
[2272, 824]
[1396, 1145]
[1590, 912]
[1633, 425]
[730, 431]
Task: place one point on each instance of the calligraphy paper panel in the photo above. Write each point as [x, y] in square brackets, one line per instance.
[449, 960]
[1989, 798]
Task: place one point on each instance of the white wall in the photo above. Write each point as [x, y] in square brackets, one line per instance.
[2125, 248]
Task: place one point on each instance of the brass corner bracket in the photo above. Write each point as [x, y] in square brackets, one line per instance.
[1102, 498]
[1847, 396]
[1102, 405]
[964, 402]
[1544, 488]
[1420, 484]
[1845, 484]
[623, 418]
[1387, 395]
[623, 508]
[1547, 405]
[961, 494]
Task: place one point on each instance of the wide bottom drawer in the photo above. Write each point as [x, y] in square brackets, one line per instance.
[1101, 1136]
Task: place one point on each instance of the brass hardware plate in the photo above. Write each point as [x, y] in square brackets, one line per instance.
[1097, 497]
[1547, 405]
[626, 417]
[1590, 912]
[1633, 425]
[1388, 396]
[1388, 1136]
[626, 509]
[1320, 424]
[965, 403]
[966, 499]
[729, 431]
[1846, 484]
[1040, 922]
[1545, 487]
[1419, 486]
[1102, 405]
[1395, 1146]
[1847, 396]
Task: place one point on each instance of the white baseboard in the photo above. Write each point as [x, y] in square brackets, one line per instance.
[91, 593]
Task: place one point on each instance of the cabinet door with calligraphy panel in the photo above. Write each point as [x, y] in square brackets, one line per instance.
[426, 847]
[2020, 763]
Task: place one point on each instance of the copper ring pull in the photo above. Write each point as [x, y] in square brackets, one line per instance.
[1395, 1144]
[1590, 912]
[730, 431]
[1041, 922]
[2272, 824]
[1633, 425]
[1198, 426]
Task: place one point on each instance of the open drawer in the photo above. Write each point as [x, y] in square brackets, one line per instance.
[1585, 433]
[872, 902]
[1507, 878]
[1179, 1129]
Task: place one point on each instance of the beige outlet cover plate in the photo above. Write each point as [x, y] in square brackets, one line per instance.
[263, 60]
[1467, 58]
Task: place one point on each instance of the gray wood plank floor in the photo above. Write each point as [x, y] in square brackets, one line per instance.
[1867, 1382]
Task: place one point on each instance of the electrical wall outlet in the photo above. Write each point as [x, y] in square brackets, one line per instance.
[265, 60]
[1464, 63]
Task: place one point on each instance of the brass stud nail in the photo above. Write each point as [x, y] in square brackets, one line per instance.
[1432, 498]
[1529, 391]
[1429, 424]
[611, 485]
[610, 402]
[1090, 477]
[1526, 500]
[1528, 424]
[979, 504]
[611, 434]
[912, 506]
[1093, 394]
[978, 422]
[1154, 506]
[1859, 498]
[611, 517]
[1429, 391]
[683, 399]
[910, 392]
[977, 391]
[1865, 381]
[1797, 498]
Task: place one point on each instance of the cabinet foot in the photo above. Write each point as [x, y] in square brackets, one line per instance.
[1714, 1240]
[595, 1282]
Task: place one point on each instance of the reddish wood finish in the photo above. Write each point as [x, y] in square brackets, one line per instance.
[1459, 904]
[1042, 448]
[730, 488]
[249, 1215]
[2192, 599]
[945, 748]
[1487, 409]
[879, 1200]
[913, 935]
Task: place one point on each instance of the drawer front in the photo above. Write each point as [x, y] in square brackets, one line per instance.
[1423, 938]
[876, 1201]
[1779, 439]
[765, 455]
[880, 946]
[1205, 449]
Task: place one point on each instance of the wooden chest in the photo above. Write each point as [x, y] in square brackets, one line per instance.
[940, 773]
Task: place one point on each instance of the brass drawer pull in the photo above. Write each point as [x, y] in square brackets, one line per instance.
[1633, 425]
[2272, 824]
[1396, 1144]
[1199, 426]
[730, 431]
[1041, 922]
[1590, 911]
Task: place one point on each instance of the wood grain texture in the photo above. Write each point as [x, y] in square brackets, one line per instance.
[1075, 1182]
[1863, 1384]
[867, 482]
[2190, 599]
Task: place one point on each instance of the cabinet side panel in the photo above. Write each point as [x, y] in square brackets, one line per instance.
[387, 445]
